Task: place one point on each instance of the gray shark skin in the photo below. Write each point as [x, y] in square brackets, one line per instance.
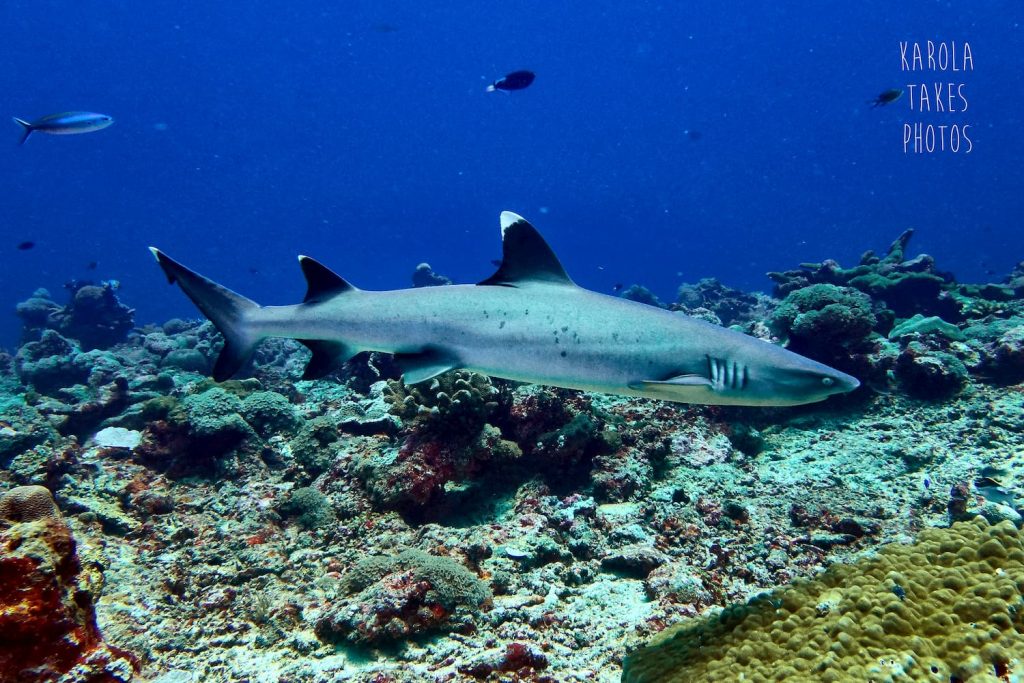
[528, 322]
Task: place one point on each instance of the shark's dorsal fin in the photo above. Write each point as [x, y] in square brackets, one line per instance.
[525, 256]
[321, 282]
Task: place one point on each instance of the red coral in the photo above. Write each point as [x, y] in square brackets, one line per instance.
[47, 622]
[518, 657]
[710, 511]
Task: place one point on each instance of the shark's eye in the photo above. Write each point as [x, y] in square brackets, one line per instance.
[827, 381]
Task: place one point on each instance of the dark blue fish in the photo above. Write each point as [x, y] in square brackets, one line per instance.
[887, 97]
[25, 246]
[68, 123]
[517, 80]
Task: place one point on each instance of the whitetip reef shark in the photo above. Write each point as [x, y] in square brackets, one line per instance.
[528, 322]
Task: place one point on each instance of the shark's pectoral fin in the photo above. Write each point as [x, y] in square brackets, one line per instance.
[419, 367]
[328, 356]
[677, 381]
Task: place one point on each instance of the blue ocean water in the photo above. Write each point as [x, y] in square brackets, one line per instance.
[660, 143]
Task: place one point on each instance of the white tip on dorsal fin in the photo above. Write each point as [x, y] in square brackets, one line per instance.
[507, 220]
[526, 257]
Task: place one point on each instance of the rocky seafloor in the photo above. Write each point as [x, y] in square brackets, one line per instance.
[353, 528]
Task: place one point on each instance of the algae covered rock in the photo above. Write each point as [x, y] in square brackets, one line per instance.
[1007, 356]
[925, 373]
[906, 286]
[397, 597]
[95, 317]
[919, 325]
[947, 608]
[48, 364]
[21, 428]
[189, 360]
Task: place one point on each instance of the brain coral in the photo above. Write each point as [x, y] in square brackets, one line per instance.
[947, 608]
[28, 504]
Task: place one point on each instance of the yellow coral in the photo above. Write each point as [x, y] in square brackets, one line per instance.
[948, 607]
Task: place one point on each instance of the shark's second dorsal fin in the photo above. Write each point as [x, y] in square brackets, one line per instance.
[525, 256]
[321, 282]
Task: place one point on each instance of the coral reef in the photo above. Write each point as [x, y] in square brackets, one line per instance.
[424, 276]
[94, 317]
[356, 528]
[948, 607]
[727, 305]
[641, 295]
[905, 286]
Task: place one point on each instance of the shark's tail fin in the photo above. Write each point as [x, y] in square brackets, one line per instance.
[228, 311]
[26, 129]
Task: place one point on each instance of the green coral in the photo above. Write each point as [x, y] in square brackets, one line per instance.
[824, 315]
[312, 446]
[310, 506]
[920, 325]
[215, 412]
[269, 413]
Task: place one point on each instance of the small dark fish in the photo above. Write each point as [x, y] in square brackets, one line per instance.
[385, 28]
[517, 80]
[91, 265]
[25, 246]
[694, 135]
[253, 270]
[617, 287]
[887, 97]
[68, 123]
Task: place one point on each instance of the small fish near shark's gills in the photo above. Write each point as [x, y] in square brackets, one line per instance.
[528, 322]
[68, 123]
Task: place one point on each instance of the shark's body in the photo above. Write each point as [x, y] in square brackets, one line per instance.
[528, 322]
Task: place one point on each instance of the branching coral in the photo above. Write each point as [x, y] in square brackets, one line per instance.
[458, 401]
